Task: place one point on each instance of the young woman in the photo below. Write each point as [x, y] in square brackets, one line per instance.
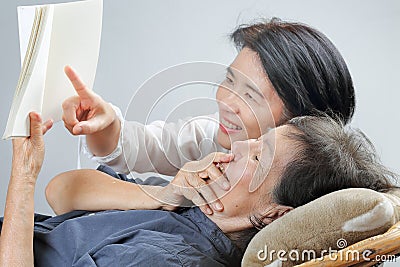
[304, 166]
[282, 70]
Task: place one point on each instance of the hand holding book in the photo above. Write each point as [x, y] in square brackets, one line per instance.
[52, 36]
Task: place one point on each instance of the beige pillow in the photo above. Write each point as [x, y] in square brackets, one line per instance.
[331, 222]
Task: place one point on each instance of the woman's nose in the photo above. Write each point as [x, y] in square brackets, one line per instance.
[228, 100]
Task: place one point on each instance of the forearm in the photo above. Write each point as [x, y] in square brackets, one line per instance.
[16, 245]
[159, 146]
[94, 190]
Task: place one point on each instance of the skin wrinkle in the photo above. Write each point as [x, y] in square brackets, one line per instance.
[239, 202]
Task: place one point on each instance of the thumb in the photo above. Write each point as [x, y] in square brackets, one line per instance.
[223, 157]
[88, 127]
[80, 87]
[36, 125]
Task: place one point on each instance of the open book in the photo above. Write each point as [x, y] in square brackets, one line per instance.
[52, 36]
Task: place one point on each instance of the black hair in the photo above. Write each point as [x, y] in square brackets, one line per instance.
[305, 68]
[328, 157]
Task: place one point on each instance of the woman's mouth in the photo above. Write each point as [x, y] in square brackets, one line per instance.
[228, 127]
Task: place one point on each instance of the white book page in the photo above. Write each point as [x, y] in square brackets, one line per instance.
[26, 15]
[75, 41]
[31, 98]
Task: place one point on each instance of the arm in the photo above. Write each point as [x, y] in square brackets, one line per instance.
[162, 147]
[95, 190]
[16, 240]
[131, 146]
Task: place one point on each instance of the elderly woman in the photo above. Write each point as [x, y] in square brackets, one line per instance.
[267, 184]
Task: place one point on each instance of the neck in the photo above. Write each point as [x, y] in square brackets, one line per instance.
[238, 229]
[229, 224]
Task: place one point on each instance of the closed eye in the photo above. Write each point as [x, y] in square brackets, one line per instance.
[249, 95]
[229, 80]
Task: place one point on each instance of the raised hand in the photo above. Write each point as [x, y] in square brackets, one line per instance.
[86, 113]
[28, 153]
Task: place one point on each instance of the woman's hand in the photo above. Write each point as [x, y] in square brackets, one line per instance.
[28, 153]
[85, 113]
[88, 114]
[192, 183]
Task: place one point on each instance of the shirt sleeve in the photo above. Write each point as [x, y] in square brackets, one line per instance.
[159, 146]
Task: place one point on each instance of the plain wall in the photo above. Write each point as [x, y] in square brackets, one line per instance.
[141, 38]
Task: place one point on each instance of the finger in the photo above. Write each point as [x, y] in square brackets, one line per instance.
[206, 209]
[206, 192]
[222, 157]
[47, 126]
[69, 127]
[36, 126]
[88, 127]
[80, 87]
[216, 175]
[70, 107]
[203, 174]
[193, 195]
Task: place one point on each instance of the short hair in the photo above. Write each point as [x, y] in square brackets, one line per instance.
[328, 157]
[305, 68]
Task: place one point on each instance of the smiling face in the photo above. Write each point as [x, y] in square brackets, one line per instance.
[248, 104]
[253, 173]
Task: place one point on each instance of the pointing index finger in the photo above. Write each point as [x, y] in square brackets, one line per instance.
[79, 85]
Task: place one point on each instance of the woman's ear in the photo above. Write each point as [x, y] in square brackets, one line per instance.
[273, 212]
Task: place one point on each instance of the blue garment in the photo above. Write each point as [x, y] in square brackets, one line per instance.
[132, 238]
[153, 180]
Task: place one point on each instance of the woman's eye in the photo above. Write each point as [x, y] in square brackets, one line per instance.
[229, 80]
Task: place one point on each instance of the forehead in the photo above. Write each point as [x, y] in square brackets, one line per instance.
[275, 154]
[276, 142]
[247, 65]
[276, 132]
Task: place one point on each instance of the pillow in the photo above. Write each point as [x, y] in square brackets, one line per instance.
[329, 223]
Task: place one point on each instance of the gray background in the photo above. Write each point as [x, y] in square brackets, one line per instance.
[141, 38]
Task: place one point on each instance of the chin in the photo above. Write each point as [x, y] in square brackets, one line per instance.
[224, 140]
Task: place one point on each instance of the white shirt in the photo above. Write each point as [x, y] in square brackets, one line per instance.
[159, 146]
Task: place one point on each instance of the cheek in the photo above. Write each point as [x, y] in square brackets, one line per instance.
[277, 108]
[219, 94]
[257, 120]
[241, 174]
[222, 93]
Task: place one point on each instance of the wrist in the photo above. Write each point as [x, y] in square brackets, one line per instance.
[20, 179]
[166, 200]
[155, 198]
[21, 173]
[105, 141]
